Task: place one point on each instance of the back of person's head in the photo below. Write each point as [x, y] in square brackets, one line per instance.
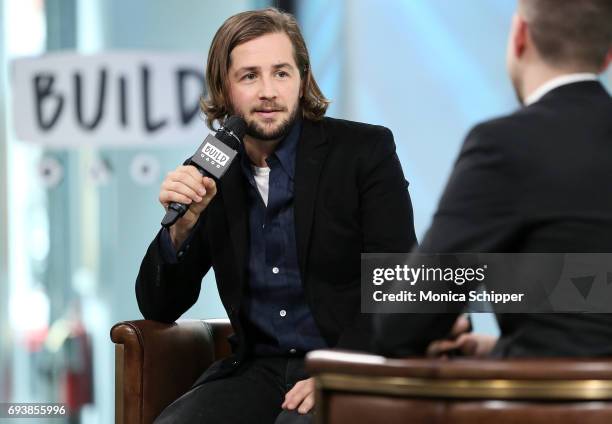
[574, 34]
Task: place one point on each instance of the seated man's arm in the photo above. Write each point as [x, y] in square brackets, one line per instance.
[477, 213]
[167, 289]
[386, 218]
[386, 225]
[171, 273]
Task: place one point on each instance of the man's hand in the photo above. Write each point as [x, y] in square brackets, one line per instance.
[461, 339]
[301, 396]
[186, 185]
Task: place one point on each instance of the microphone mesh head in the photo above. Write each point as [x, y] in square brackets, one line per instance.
[237, 125]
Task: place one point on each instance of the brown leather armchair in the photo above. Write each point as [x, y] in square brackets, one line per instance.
[358, 388]
[156, 363]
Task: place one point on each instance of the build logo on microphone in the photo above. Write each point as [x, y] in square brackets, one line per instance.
[213, 155]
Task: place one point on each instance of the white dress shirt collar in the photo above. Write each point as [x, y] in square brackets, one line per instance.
[556, 82]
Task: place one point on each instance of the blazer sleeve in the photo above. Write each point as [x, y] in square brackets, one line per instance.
[166, 290]
[386, 219]
[477, 213]
[387, 222]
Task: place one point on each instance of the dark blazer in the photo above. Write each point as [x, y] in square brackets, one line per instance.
[350, 197]
[539, 180]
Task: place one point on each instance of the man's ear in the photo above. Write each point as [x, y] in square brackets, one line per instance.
[303, 83]
[520, 36]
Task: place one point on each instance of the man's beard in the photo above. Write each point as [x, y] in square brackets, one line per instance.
[257, 131]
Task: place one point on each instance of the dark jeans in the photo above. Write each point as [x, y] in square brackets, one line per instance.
[253, 394]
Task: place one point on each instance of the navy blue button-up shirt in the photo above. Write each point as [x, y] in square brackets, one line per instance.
[275, 307]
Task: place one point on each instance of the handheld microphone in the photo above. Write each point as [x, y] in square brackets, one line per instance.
[213, 158]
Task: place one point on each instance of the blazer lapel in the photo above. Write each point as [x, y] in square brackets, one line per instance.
[311, 152]
[233, 192]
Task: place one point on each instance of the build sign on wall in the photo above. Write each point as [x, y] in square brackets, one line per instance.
[116, 98]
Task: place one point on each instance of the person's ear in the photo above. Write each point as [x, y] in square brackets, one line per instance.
[520, 36]
[303, 82]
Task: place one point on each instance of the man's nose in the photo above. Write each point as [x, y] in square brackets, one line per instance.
[267, 88]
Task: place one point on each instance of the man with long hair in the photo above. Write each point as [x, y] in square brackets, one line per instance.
[283, 230]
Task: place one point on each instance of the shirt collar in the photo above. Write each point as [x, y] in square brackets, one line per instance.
[556, 82]
[287, 148]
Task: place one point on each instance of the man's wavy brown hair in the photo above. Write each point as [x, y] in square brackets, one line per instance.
[244, 27]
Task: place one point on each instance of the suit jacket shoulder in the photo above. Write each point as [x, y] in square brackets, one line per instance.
[564, 118]
[356, 135]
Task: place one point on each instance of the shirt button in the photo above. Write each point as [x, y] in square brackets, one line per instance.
[292, 351]
[283, 313]
[275, 270]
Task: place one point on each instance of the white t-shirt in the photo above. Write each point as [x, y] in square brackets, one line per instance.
[262, 179]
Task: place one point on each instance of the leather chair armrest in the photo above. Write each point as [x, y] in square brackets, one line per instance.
[155, 363]
[362, 388]
[326, 361]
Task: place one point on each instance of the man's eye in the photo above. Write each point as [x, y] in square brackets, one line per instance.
[282, 74]
[249, 76]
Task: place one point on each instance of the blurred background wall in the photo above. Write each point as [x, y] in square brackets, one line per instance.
[70, 252]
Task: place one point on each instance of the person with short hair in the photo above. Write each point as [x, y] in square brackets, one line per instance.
[538, 180]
